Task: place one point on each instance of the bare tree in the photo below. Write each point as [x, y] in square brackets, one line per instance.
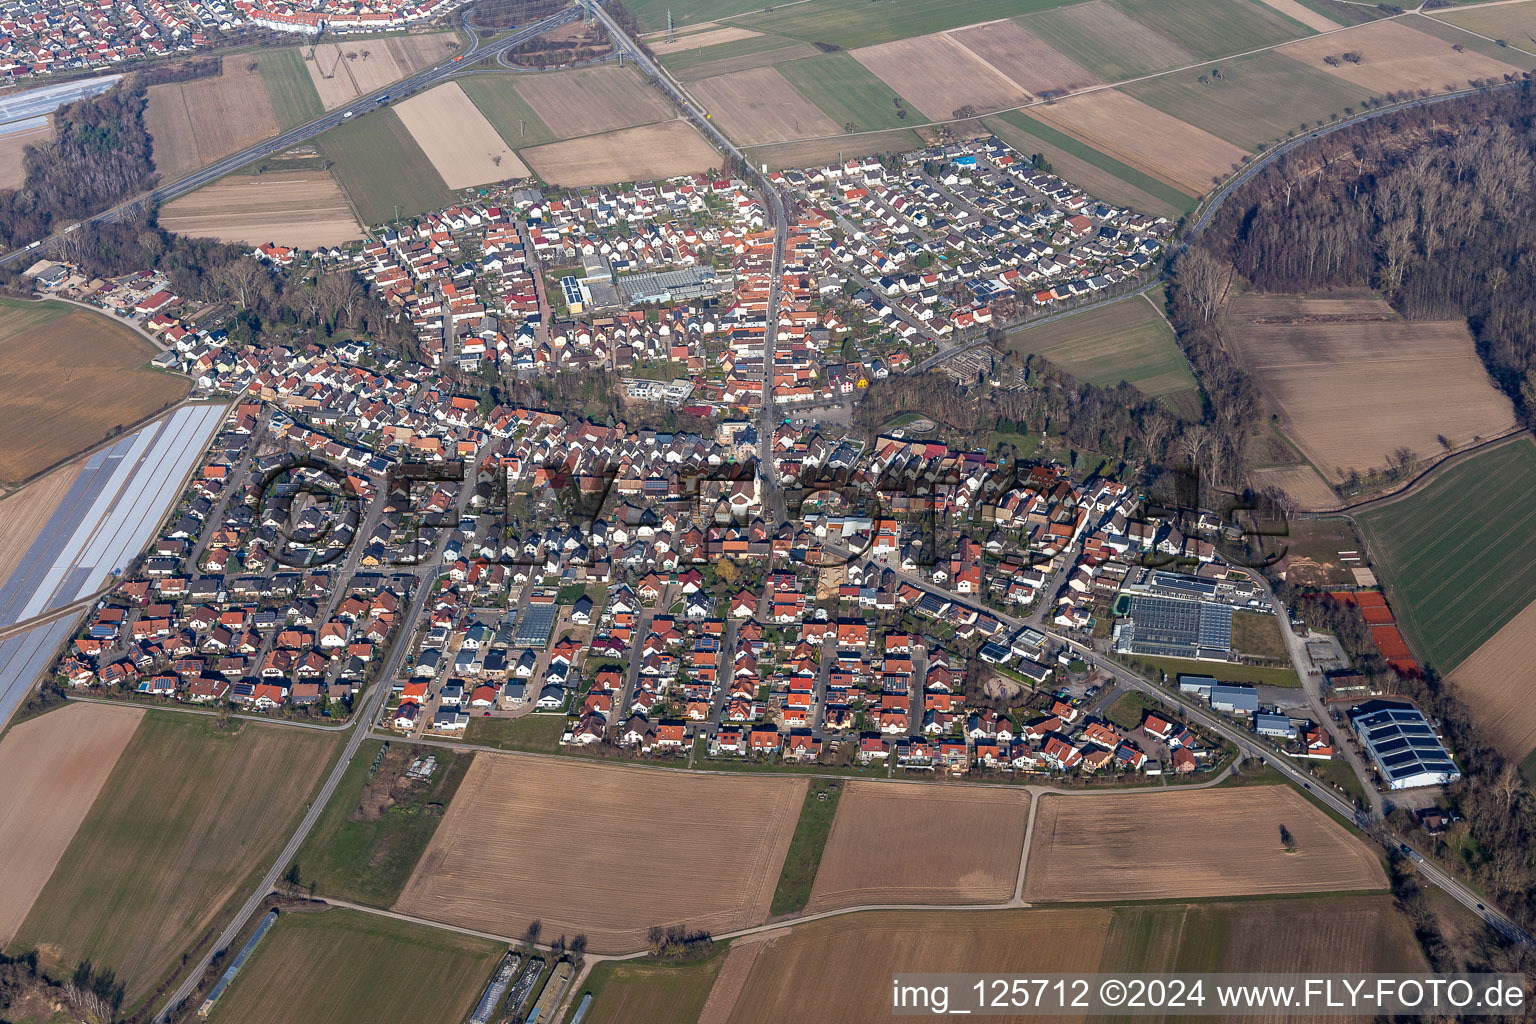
[1206, 280]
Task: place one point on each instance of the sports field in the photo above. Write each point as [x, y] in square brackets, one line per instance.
[852, 23]
[341, 966]
[380, 167]
[1098, 173]
[289, 87]
[1128, 340]
[68, 377]
[196, 123]
[847, 92]
[560, 838]
[298, 208]
[54, 767]
[1459, 555]
[189, 818]
[840, 969]
[1160, 846]
[1257, 99]
[957, 846]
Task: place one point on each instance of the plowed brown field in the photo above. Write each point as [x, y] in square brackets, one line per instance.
[604, 850]
[921, 844]
[592, 100]
[1023, 56]
[195, 123]
[760, 106]
[939, 76]
[1212, 842]
[1395, 58]
[1498, 688]
[634, 154]
[53, 768]
[299, 208]
[341, 71]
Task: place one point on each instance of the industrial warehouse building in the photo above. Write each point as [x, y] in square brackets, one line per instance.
[1403, 744]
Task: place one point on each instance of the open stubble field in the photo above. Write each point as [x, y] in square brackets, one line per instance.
[1213, 842]
[1126, 341]
[195, 123]
[340, 966]
[67, 378]
[634, 154]
[1023, 57]
[298, 208]
[54, 767]
[1354, 383]
[1395, 57]
[939, 76]
[557, 841]
[840, 969]
[854, 23]
[1514, 23]
[760, 106]
[1497, 686]
[13, 153]
[346, 69]
[592, 100]
[1459, 555]
[935, 845]
[457, 138]
[23, 513]
[1122, 126]
[188, 818]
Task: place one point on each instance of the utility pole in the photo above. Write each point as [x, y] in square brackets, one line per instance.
[670, 36]
[522, 127]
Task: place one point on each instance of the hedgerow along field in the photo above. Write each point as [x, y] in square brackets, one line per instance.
[1458, 556]
[190, 817]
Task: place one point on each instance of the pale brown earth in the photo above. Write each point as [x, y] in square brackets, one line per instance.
[1302, 13]
[339, 80]
[760, 106]
[731, 980]
[938, 76]
[746, 61]
[298, 208]
[1397, 58]
[1353, 382]
[634, 154]
[711, 37]
[457, 138]
[23, 513]
[1023, 57]
[13, 152]
[1498, 686]
[918, 843]
[53, 767]
[196, 123]
[592, 100]
[604, 850]
[1134, 133]
[1200, 843]
[1301, 482]
[840, 969]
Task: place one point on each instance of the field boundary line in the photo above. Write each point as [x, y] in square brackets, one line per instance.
[1410, 487]
[1478, 35]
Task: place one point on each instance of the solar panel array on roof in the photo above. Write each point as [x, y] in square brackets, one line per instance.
[1404, 746]
[1183, 583]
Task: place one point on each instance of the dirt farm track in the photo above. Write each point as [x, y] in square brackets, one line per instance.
[603, 849]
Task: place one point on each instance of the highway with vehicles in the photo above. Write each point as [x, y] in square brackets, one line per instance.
[303, 133]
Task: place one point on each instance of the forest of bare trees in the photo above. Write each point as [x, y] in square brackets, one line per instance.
[100, 154]
[1434, 207]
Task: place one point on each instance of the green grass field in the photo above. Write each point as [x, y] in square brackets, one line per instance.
[700, 61]
[380, 167]
[1258, 635]
[652, 14]
[1126, 340]
[820, 152]
[536, 733]
[508, 112]
[1101, 175]
[1257, 99]
[1215, 28]
[1459, 556]
[847, 91]
[341, 966]
[1221, 671]
[367, 857]
[851, 23]
[294, 99]
[804, 857]
[1108, 42]
[188, 820]
[642, 992]
[1130, 708]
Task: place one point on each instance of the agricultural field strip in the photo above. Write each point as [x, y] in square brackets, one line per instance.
[23, 658]
[1490, 683]
[123, 513]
